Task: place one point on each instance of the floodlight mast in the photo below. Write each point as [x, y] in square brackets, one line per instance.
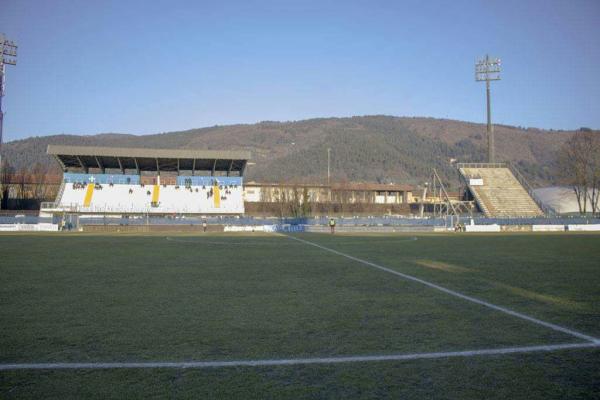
[8, 54]
[488, 69]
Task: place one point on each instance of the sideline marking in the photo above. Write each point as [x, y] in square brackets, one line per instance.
[505, 310]
[297, 361]
[200, 240]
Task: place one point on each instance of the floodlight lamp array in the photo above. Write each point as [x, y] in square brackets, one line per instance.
[8, 48]
[488, 69]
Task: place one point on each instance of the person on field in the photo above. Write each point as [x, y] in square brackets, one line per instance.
[204, 225]
[332, 225]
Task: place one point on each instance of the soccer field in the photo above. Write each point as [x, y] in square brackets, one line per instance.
[300, 316]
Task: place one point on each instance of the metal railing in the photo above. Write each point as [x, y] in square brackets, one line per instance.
[545, 208]
[60, 193]
[52, 205]
[481, 165]
[321, 221]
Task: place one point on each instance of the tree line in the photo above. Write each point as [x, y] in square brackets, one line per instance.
[25, 185]
[578, 166]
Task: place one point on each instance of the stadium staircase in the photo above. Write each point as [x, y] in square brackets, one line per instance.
[60, 193]
[217, 196]
[89, 192]
[498, 191]
[155, 195]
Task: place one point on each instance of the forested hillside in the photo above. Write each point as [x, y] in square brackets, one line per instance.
[370, 148]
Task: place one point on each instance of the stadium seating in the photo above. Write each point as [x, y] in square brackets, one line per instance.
[498, 192]
[191, 195]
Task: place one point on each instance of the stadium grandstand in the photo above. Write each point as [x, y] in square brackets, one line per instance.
[500, 191]
[124, 181]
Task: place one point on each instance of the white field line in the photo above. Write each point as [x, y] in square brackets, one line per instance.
[457, 294]
[297, 361]
[200, 240]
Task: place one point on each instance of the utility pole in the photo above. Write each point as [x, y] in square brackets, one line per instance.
[8, 54]
[328, 166]
[488, 69]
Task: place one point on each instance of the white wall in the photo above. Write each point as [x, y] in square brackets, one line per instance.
[482, 228]
[252, 194]
[41, 227]
[548, 228]
[584, 228]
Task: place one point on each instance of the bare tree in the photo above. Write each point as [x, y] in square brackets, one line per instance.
[295, 201]
[6, 172]
[306, 206]
[281, 198]
[579, 168]
[594, 174]
[39, 181]
[21, 189]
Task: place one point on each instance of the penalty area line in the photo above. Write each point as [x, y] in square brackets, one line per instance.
[297, 361]
[454, 293]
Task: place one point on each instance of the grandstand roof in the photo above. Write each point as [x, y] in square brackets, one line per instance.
[85, 157]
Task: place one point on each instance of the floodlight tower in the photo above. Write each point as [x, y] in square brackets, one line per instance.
[488, 69]
[8, 54]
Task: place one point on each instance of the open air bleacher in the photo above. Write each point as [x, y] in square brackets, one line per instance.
[498, 193]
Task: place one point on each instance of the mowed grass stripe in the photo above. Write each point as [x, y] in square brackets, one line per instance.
[456, 294]
[142, 298]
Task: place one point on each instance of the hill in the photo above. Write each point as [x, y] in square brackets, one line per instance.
[367, 148]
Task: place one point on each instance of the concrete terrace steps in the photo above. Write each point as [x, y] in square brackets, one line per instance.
[501, 194]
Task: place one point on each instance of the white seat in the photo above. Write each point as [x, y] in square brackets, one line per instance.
[135, 199]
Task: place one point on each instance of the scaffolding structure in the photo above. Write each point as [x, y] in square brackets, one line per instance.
[445, 207]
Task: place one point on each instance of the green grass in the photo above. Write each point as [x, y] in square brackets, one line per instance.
[555, 277]
[88, 298]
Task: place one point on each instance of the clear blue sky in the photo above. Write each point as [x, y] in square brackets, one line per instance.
[153, 66]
